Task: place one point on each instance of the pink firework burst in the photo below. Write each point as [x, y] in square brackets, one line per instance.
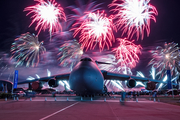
[96, 29]
[47, 14]
[133, 16]
[126, 53]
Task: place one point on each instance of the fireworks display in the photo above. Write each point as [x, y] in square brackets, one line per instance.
[133, 16]
[127, 53]
[114, 66]
[140, 74]
[96, 29]
[27, 49]
[70, 53]
[81, 11]
[166, 57]
[47, 15]
[114, 85]
[153, 75]
[62, 83]
[161, 85]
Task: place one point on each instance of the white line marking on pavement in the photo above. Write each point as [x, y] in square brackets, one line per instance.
[58, 111]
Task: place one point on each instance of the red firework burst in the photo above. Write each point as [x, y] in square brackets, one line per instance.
[47, 15]
[126, 53]
[96, 29]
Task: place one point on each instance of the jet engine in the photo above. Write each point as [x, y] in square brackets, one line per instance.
[150, 86]
[52, 83]
[131, 83]
[36, 85]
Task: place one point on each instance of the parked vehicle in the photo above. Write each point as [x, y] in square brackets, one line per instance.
[30, 93]
[18, 89]
[19, 94]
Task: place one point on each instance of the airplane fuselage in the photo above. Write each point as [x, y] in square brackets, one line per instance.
[86, 78]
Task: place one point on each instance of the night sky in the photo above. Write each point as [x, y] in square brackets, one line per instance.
[14, 22]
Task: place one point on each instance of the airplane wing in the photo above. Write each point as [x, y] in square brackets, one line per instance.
[45, 79]
[114, 76]
[122, 77]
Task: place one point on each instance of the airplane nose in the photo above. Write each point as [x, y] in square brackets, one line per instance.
[86, 79]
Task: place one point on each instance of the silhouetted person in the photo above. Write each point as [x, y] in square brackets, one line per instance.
[123, 96]
[138, 93]
[54, 94]
[129, 94]
[155, 94]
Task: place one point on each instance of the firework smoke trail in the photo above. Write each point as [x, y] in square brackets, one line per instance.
[63, 34]
[27, 48]
[133, 16]
[6, 66]
[81, 11]
[166, 57]
[47, 14]
[3, 65]
[96, 29]
[70, 53]
[126, 53]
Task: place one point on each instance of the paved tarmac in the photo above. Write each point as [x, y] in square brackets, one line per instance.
[97, 109]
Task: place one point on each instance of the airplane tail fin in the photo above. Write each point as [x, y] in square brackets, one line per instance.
[98, 62]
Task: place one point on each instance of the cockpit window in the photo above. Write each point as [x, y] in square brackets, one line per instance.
[86, 59]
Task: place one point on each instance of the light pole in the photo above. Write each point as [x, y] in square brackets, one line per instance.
[169, 84]
[168, 72]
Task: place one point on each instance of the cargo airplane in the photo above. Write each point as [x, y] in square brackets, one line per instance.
[87, 79]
